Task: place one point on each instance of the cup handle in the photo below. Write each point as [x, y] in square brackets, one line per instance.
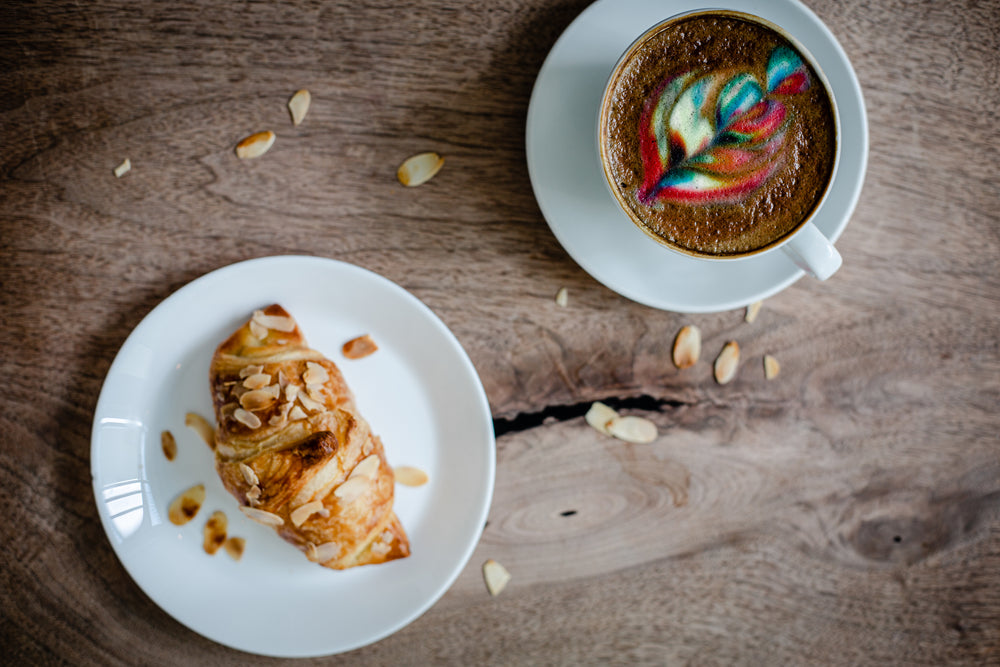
[813, 253]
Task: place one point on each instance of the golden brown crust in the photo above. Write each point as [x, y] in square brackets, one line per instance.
[291, 443]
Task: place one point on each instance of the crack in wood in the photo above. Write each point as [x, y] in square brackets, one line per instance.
[559, 413]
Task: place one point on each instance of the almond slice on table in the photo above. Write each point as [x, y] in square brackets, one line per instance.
[599, 416]
[771, 367]
[185, 506]
[687, 346]
[298, 105]
[418, 169]
[215, 532]
[235, 546]
[169, 445]
[124, 168]
[496, 576]
[727, 362]
[752, 311]
[633, 429]
[562, 297]
[360, 347]
[255, 145]
[201, 426]
[410, 476]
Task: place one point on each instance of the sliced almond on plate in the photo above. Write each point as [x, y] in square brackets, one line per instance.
[360, 347]
[496, 576]
[255, 145]
[752, 311]
[169, 445]
[599, 416]
[687, 346]
[235, 546]
[771, 367]
[727, 362]
[215, 532]
[298, 105]
[185, 506]
[201, 426]
[410, 476]
[633, 429]
[419, 169]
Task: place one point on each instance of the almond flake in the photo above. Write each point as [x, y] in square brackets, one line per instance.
[297, 413]
[599, 416]
[291, 391]
[323, 553]
[235, 546]
[258, 331]
[366, 468]
[249, 475]
[410, 476]
[273, 322]
[496, 576]
[300, 515]
[255, 145]
[184, 507]
[200, 425]
[248, 419]
[298, 105]
[349, 491]
[258, 399]
[359, 347]
[257, 381]
[315, 374]
[247, 371]
[253, 495]
[169, 445]
[633, 429]
[124, 168]
[562, 297]
[752, 311]
[771, 367]
[687, 346]
[308, 403]
[215, 532]
[727, 362]
[419, 169]
[260, 516]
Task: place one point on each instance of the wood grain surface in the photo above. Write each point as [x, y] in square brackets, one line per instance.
[846, 513]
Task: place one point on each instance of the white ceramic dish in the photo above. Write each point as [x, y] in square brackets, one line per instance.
[421, 394]
[566, 173]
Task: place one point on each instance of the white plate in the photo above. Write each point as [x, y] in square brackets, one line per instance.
[565, 172]
[420, 393]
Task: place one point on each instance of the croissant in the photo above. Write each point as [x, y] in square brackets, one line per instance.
[293, 449]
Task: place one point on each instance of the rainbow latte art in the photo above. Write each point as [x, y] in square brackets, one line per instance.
[717, 136]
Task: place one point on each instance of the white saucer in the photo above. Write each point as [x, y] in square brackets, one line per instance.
[569, 186]
[421, 395]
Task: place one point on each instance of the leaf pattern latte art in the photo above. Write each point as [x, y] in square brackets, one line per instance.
[712, 138]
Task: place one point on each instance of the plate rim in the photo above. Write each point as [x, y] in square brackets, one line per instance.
[488, 434]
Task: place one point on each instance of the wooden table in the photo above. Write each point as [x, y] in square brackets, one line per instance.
[843, 513]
